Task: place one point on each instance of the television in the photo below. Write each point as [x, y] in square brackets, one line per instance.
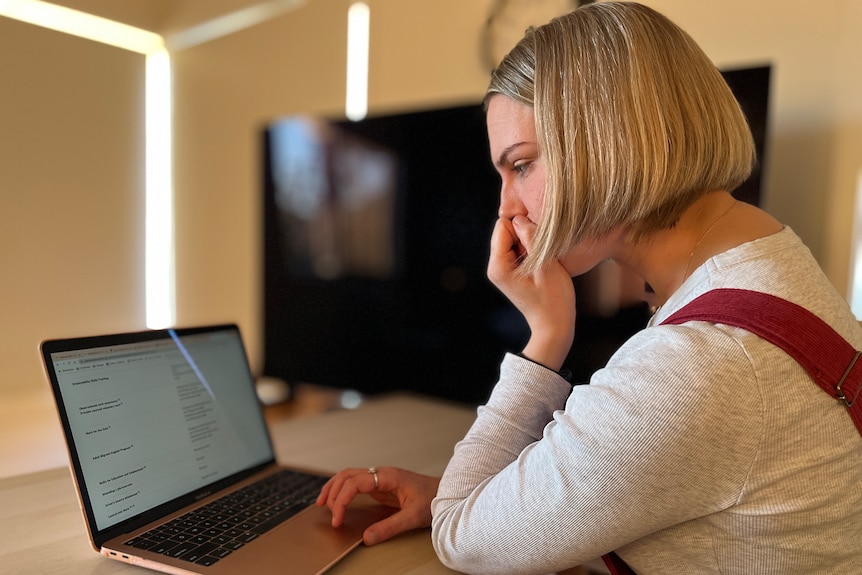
[375, 244]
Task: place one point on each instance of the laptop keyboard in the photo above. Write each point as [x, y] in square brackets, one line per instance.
[214, 531]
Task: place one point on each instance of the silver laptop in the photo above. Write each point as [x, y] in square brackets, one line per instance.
[173, 463]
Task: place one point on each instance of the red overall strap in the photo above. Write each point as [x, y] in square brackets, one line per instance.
[616, 565]
[827, 357]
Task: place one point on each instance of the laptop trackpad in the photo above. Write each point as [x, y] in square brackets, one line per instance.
[307, 543]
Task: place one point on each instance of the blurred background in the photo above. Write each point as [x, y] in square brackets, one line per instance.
[73, 150]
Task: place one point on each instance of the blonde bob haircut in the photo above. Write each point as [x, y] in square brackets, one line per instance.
[634, 123]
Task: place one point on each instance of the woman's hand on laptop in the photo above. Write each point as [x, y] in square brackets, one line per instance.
[410, 493]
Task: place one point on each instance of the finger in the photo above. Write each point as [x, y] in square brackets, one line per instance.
[506, 251]
[525, 231]
[503, 237]
[338, 507]
[324, 492]
[360, 482]
[332, 487]
[330, 490]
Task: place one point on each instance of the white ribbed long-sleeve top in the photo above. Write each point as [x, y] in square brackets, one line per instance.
[699, 448]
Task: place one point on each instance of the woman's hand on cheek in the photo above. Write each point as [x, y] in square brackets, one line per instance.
[546, 298]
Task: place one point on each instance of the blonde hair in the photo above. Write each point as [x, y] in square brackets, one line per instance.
[634, 123]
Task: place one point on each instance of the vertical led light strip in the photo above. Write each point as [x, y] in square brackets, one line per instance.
[159, 258]
[856, 253]
[159, 242]
[358, 21]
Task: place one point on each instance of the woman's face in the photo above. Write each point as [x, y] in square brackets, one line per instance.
[515, 154]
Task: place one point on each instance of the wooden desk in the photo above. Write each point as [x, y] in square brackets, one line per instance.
[43, 531]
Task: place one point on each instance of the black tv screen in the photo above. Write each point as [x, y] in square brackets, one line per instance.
[376, 238]
[376, 242]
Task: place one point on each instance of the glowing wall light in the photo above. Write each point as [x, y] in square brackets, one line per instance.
[229, 23]
[81, 24]
[159, 242]
[856, 254]
[358, 20]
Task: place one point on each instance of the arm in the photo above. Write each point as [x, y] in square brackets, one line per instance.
[545, 298]
[633, 453]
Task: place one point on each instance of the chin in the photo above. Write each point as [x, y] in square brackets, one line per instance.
[579, 266]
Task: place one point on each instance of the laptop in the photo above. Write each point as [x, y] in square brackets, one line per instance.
[173, 463]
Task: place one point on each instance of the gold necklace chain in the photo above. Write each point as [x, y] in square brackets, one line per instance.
[709, 229]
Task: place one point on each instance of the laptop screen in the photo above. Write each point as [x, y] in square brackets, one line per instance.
[156, 418]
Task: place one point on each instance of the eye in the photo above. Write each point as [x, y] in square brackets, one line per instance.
[521, 168]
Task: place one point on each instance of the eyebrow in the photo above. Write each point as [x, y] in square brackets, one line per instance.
[503, 159]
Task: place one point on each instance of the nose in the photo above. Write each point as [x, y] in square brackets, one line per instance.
[510, 203]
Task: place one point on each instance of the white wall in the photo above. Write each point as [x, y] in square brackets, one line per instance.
[71, 231]
[71, 193]
[815, 142]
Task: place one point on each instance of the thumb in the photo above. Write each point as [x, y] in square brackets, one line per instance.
[525, 230]
[388, 528]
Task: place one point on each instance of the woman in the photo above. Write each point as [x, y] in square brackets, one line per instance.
[699, 448]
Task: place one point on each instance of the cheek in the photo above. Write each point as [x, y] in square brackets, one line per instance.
[534, 208]
[534, 198]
